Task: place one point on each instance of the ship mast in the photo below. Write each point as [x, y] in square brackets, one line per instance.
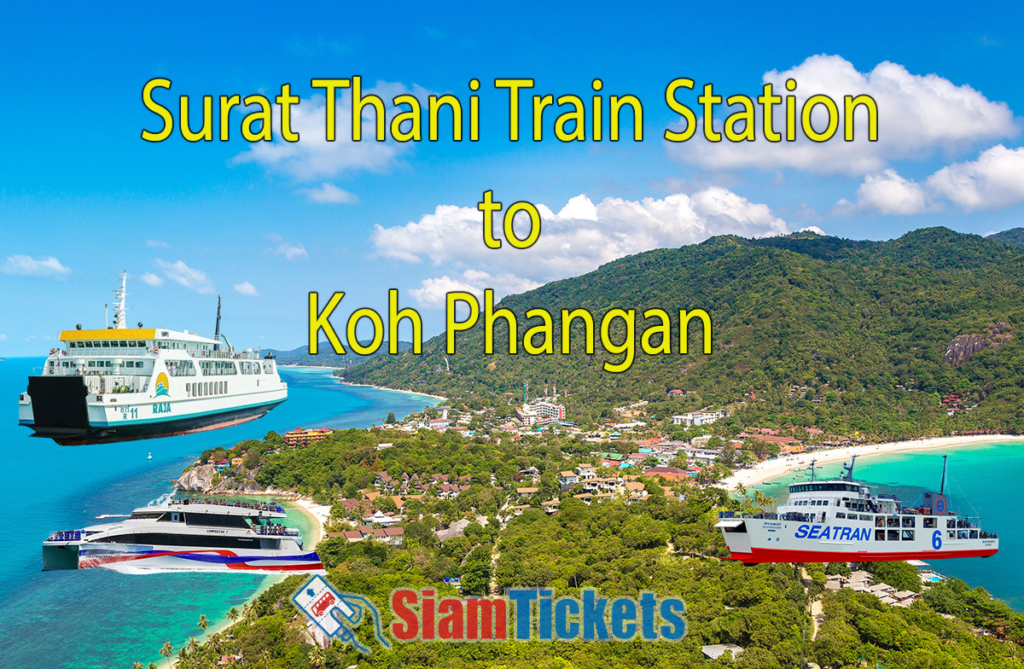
[120, 320]
[216, 332]
[848, 469]
[942, 485]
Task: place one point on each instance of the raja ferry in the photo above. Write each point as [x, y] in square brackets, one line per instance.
[186, 535]
[123, 383]
[842, 520]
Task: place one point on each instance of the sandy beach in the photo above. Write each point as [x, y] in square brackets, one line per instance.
[771, 469]
[396, 390]
[318, 513]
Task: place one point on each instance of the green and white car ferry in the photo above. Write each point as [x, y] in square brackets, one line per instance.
[121, 383]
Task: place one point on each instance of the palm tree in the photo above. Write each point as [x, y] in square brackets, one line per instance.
[136, 665]
[193, 644]
[233, 614]
[167, 651]
[250, 615]
[317, 658]
[763, 501]
[265, 656]
[203, 622]
[152, 665]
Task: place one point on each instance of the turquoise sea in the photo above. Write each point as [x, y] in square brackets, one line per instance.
[983, 481]
[106, 620]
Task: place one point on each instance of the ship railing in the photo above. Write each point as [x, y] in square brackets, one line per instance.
[272, 507]
[67, 535]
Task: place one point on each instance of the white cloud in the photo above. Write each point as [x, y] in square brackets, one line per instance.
[889, 193]
[246, 288]
[328, 193]
[578, 239]
[918, 115]
[313, 157]
[283, 247]
[157, 244]
[995, 179]
[152, 279]
[813, 228]
[28, 266]
[186, 276]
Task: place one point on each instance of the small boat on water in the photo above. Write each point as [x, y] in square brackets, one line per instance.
[149, 457]
[843, 520]
[186, 535]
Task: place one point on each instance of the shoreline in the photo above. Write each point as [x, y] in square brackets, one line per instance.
[440, 398]
[318, 514]
[770, 469]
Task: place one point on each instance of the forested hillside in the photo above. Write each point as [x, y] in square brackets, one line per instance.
[865, 326]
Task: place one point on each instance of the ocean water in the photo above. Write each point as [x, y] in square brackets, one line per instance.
[101, 619]
[983, 480]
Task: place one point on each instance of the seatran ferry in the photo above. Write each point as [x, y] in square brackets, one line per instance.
[842, 520]
[123, 383]
[186, 535]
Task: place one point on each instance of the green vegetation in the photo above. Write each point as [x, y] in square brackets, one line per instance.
[863, 325]
[326, 357]
[665, 543]
[1014, 236]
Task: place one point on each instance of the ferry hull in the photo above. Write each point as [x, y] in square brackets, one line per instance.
[60, 556]
[772, 555]
[141, 559]
[86, 434]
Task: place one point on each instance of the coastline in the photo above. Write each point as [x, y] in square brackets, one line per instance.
[770, 469]
[318, 514]
[394, 390]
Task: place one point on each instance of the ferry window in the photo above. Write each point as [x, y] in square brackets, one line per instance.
[256, 368]
[892, 522]
[879, 535]
[961, 534]
[88, 344]
[951, 523]
[951, 534]
[123, 343]
[974, 534]
[868, 518]
[893, 535]
[206, 388]
[140, 343]
[908, 535]
[840, 514]
[131, 344]
[909, 521]
[930, 523]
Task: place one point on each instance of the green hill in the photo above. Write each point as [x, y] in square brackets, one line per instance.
[326, 356]
[867, 327]
[1013, 236]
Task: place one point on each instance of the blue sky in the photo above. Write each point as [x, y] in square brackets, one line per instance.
[82, 196]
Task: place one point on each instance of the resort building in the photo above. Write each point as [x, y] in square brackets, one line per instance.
[300, 437]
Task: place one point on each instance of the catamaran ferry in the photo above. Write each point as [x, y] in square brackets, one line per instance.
[186, 535]
[841, 520]
[123, 383]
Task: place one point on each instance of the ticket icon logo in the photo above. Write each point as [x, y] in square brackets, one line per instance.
[338, 614]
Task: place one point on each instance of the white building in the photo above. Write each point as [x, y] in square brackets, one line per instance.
[698, 418]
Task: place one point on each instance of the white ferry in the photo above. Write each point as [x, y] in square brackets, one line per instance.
[186, 535]
[841, 520]
[123, 383]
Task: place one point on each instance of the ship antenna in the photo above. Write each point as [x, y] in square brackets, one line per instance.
[119, 310]
[814, 475]
[942, 485]
[216, 332]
